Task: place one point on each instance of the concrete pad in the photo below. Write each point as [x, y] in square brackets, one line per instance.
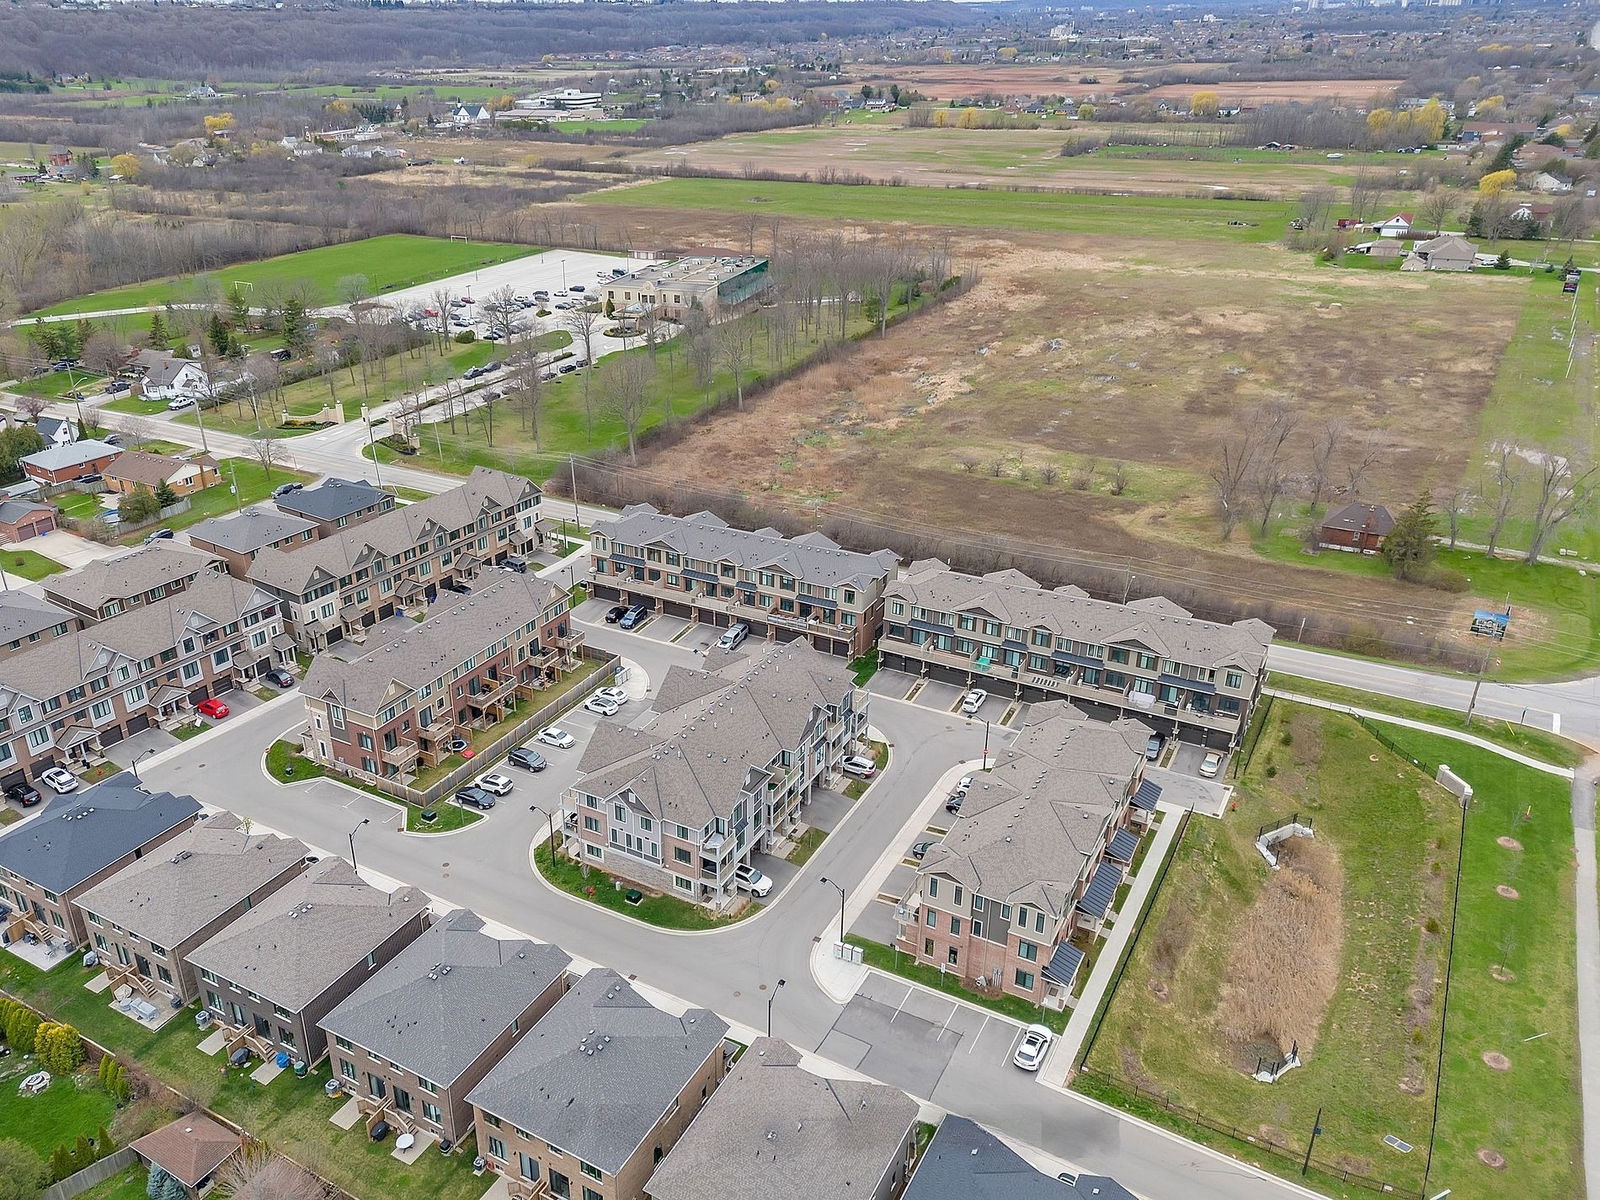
[940, 696]
[1183, 790]
[99, 983]
[891, 683]
[38, 954]
[877, 923]
[214, 1042]
[842, 1048]
[70, 550]
[424, 1140]
[663, 628]
[266, 1072]
[825, 809]
[498, 1190]
[164, 1013]
[349, 1113]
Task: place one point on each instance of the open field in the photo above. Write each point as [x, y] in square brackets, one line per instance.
[388, 262]
[71, 1105]
[1279, 91]
[954, 80]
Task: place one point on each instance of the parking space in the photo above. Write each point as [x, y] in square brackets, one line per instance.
[940, 696]
[661, 627]
[1187, 757]
[701, 637]
[894, 684]
[1208, 796]
[993, 708]
[826, 809]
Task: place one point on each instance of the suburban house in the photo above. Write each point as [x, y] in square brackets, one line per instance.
[149, 575]
[967, 1162]
[775, 1129]
[418, 1036]
[725, 770]
[270, 977]
[26, 620]
[1356, 527]
[63, 701]
[1531, 210]
[471, 114]
[1450, 252]
[336, 504]
[23, 519]
[340, 586]
[134, 469]
[237, 540]
[1550, 184]
[76, 843]
[1186, 677]
[146, 919]
[1398, 225]
[718, 286]
[191, 1149]
[597, 1093]
[63, 464]
[396, 709]
[56, 431]
[702, 568]
[1001, 909]
[165, 376]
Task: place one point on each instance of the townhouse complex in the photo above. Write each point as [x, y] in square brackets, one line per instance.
[1149, 658]
[702, 568]
[109, 586]
[726, 768]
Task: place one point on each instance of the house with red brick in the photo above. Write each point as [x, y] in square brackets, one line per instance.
[1357, 528]
[63, 464]
[134, 469]
[21, 520]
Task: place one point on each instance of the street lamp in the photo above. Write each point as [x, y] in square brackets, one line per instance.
[353, 832]
[134, 765]
[840, 890]
[770, 999]
[533, 808]
[986, 744]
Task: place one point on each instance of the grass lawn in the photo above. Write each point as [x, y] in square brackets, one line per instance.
[810, 842]
[129, 1185]
[58, 383]
[597, 887]
[29, 564]
[184, 732]
[887, 958]
[1369, 1032]
[286, 764]
[392, 261]
[1260, 221]
[865, 667]
[69, 1106]
[254, 483]
[80, 506]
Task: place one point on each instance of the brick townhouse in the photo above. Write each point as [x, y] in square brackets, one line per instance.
[591, 1100]
[237, 540]
[1035, 856]
[702, 568]
[27, 620]
[336, 504]
[394, 710]
[78, 842]
[146, 919]
[340, 586]
[417, 1037]
[725, 770]
[148, 575]
[1194, 679]
[63, 702]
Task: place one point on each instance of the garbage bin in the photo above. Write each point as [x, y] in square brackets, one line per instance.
[300, 1068]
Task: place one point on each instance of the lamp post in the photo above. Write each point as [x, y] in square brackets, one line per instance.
[353, 832]
[551, 815]
[840, 890]
[134, 765]
[770, 999]
[986, 745]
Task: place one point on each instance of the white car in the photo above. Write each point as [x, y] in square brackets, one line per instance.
[602, 705]
[860, 767]
[973, 701]
[614, 694]
[752, 880]
[59, 781]
[557, 737]
[181, 403]
[1034, 1046]
[963, 785]
[495, 784]
[1211, 764]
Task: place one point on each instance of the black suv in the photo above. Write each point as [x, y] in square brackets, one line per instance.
[634, 616]
[24, 794]
[527, 758]
[475, 797]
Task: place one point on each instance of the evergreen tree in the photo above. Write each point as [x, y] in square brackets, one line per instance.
[1409, 549]
[238, 309]
[139, 506]
[165, 496]
[217, 334]
[82, 1153]
[295, 334]
[159, 337]
[21, 1028]
[60, 1163]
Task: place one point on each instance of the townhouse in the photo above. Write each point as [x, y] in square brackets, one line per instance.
[338, 587]
[146, 919]
[64, 701]
[775, 1129]
[396, 709]
[336, 504]
[702, 568]
[108, 586]
[26, 620]
[725, 769]
[1194, 679]
[64, 464]
[965, 1161]
[134, 469]
[1036, 854]
[78, 842]
[417, 1037]
[591, 1100]
[237, 540]
[270, 977]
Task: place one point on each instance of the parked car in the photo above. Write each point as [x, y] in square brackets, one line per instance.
[973, 701]
[963, 785]
[1211, 764]
[952, 803]
[117, 386]
[578, 287]
[751, 880]
[279, 678]
[283, 354]
[919, 850]
[737, 632]
[859, 766]
[475, 797]
[633, 617]
[614, 694]
[59, 781]
[287, 489]
[180, 403]
[557, 737]
[213, 708]
[159, 535]
[24, 794]
[615, 613]
[527, 758]
[1152, 748]
[1032, 1048]
[599, 704]
[515, 562]
[494, 783]
[94, 478]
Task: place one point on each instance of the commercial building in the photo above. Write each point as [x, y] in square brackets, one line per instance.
[336, 504]
[597, 1093]
[417, 1037]
[149, 575]
[702, 568]
[1194, 679]
[717, 286]
[237, 540]
[395, 710]
[725, 769]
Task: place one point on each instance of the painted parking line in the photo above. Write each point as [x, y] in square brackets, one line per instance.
[902, 1004]
[978, 1037]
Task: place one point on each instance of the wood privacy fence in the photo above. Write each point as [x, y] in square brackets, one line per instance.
[96, 1172]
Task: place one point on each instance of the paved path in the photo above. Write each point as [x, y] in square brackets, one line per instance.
[1588, 918]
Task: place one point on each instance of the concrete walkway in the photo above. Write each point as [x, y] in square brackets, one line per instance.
[1588, 918]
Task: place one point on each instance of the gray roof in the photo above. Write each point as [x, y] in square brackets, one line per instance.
[1011, 597]
[1357, 517]
[331, 500]
[130, 574]
[967, 1162]
[703, 535]
[599, 1070]
[458, 629]
[435, 1007]
[73, 454]
[78, 836]
[162, 366]
[772, 1129]
[250, 530]
[12, 511]
[300, 940]
[196, 877]
[22, 613]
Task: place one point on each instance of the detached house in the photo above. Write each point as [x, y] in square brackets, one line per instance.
[1398, 225]
[135, 469]
[165, 376]
[64, 464]
[967, 1162]
[1355, 527]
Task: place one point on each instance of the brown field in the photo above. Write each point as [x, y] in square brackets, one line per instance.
[1279, 91]
[944, 82]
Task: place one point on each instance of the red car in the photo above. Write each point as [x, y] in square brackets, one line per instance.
[215, 709]
[430, 312]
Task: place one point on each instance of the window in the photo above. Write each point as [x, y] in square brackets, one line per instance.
[953, 956]
[958, 895]
[927, 947]
[427, 1085]
[1028, 951]
[497, 1149]
[430, 1111]
[591, 1171]
[491, 1119]
[1234, 680]
[209, 977]
[590, 1194]
[342, 1043]
[1024, 980]
[592, 824]
[679, 854]
[348, 1070]
[528, 1167]
[955, 926]
[164, 975]
[559, 1185]
[933, 887]
[682, 884]
[930, 918]
[402, 1100]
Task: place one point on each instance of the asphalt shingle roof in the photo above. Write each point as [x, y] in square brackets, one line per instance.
[75, 838]
[331, 500]
[22, 613]
[438, 1004]
[967, 1162]
[12, 511]
[73, 454]
[130, 574]
[249, 530]
[599, 1070]
[192, 1147]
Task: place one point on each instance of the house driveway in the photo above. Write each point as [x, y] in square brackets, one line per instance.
[70, 550]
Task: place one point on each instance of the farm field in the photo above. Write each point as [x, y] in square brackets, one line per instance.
[388, 262]
[1279, 91]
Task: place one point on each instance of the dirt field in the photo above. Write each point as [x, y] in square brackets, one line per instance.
[947, 82]
[1277, 91]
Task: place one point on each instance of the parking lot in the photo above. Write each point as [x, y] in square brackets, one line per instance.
[946, 697]
[658, 627]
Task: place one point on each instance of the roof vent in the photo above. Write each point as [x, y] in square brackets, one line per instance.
[181, 855]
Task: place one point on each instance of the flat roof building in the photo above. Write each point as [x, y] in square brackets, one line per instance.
[717, 286]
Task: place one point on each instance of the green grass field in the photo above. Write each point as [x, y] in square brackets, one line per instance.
[71, 1105]
[29, 564]
[127, 1185]
[391, 261]
[255, 484]
[58, 383]
[1133, 216]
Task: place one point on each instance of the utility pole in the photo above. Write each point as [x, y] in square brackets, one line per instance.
[233, 475]
[1476, 684]
[572, 466]
[1316, 1128]
[372, 447]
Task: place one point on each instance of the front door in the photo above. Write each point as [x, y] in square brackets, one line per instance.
[239, 1014]
[263, 1026]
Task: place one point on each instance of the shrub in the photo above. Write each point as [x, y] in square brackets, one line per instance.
[465, 338]
[22, 1027]
[59, 1048]
[22, 1172]
[1272, 771]
[1445, 579]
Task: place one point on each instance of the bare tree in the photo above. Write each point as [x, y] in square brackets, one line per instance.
[1367, 453]
[1502, 492]
[583, 323]
[625, 383]
[733, 346]
[1235, 458]
[1454, 504]
[259, 1174]
[103, 353]
[501, 304]
[439, 300]
[267, 448]
[31, 406]
[1315, 204]
[1436, 207]
[1269, 481]
[1324, 445]
[1564, 491]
